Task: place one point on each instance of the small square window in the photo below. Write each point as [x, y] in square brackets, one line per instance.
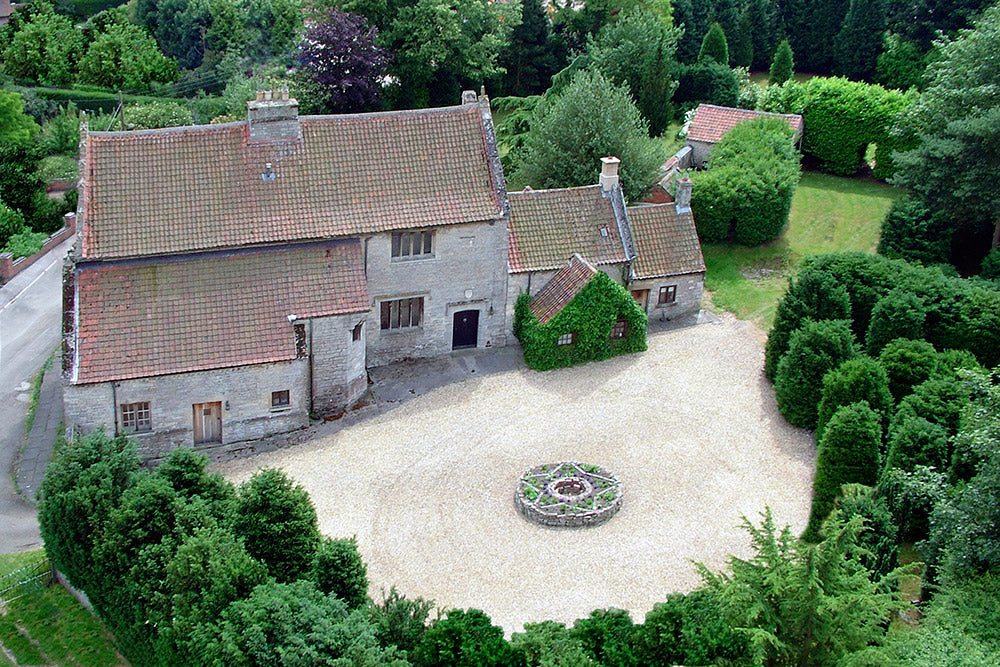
[565, 339]
[279, 399]
[136, 417]
[618, 331]
[356, 331]
[668, 294]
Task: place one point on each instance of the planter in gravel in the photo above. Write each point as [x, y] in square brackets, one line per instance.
[568, 494]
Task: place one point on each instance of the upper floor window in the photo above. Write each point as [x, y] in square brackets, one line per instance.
[136, 417]
[668, 294]
[412, 245]
[402, 313]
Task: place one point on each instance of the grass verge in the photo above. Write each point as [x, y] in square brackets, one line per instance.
[36, 390]
[829, 214]
[50, 627]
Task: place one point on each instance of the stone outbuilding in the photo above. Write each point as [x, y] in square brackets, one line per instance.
[710, 122]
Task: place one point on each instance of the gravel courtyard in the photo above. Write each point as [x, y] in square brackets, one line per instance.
[690, 427]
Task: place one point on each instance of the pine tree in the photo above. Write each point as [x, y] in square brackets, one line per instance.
[763, 16]
[694, 16]
[783, 64]
[859, 41]
[741, 44]
[714, 46]
[533, 55]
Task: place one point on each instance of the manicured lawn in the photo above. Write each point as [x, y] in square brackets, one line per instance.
[829, 214]
[49, 627]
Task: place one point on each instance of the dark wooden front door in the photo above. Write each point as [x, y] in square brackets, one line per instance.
[207, 422]
[465, 332]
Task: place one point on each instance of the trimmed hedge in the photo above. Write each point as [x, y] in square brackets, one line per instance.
[858, 379]
[590, 317]
[746, 194]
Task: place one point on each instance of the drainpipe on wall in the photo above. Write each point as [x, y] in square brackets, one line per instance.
[311, 410]
[114, 403]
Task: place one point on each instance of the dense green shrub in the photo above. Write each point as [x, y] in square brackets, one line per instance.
[940, 400]
[714, 46]
[879, 537]
[19, 179]
[11, 224]
[858, 379]
[608, 636]
[912, 496]
[126, 57]
[16, 126]
[590, 317]
[901, 64]
[782, 66]
[899, 314]
[907, 363]
[914, 232]
[152, 115]
[399, 621]
[277, 521]
[23, 244]
[549, 644]
[815, 295]
[464, 639]
[707, 82]
[848, 454]
[44, 49]
[746, 194]
[687, 629]
[990, 267]
[915, 441]
[338, 569]
[814, 350]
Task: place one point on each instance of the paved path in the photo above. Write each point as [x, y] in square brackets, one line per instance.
[37, 451]
[30, 316]
[690, 427]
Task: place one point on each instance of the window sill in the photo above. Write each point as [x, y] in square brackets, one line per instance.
[283, 408]
[136, 434]
[407, 260]
[400, 331]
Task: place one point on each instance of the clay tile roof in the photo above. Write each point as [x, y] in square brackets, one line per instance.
[196, 188]
[561, 289]
[547, 226]
[143, 318]
[710, 122]
[666, 242]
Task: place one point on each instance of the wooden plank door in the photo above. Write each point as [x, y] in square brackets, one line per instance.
[207, 422]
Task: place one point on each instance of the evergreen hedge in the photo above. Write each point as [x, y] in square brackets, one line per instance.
[590, 316]
[858, 379]
[746, 194]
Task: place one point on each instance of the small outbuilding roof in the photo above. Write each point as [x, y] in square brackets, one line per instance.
[547, 226]
[562, 288]
[211, 310]
[666, 242]
[710, 122]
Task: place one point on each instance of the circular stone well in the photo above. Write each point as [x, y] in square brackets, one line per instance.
[568, 494]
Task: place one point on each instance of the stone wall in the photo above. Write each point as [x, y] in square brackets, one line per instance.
[466, 271]
[339, 377]
[689, 292]
[699, 153]
[244, 392]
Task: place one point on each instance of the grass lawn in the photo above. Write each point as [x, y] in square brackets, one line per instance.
[829, 214]
[49, 627]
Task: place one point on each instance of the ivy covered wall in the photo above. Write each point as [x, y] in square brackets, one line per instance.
[590, 317]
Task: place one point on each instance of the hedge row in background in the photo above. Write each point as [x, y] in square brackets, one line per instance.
[590, 317]
[746, 194]
[842, 118]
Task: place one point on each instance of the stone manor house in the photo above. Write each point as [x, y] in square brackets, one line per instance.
[231, 280]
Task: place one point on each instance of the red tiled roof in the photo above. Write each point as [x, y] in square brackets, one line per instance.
[143, 318]
[197, 188]
[560, 290]
[710, 122]
[666, 242]
[548, 226]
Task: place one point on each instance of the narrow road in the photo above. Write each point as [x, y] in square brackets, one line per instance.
[30, 321]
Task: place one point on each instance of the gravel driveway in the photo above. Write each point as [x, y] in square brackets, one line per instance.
[690, 427]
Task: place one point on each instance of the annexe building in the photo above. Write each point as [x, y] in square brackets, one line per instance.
[710, 122]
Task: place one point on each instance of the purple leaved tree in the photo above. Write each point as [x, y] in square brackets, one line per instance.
[340, 58]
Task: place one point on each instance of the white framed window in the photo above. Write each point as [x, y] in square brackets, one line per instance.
[565, 339]
[136, 417]
[668, 294]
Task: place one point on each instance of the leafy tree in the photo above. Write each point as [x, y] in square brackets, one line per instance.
[858, 379]
[907, 363]
[813, 350]
[151, 115]
[277, 521]
[464, 639]
[901, 64]
[275, 26]
[912, 497]
[708, 82]
[185, 471]
[914, 441]
[11, 224]
[589, 120]
[550, 644]
[914, 232]
[44, 49]
[607, 636]
[340, 56]
[338, 569]
[126, 57]
[16, 127]
[957, 121]
[848, 454]
[878, 538]
[782, 66]
[803, 604]
[860, 39]
[923, 20]
[714, 46]
[899, 314]
[638, 51]
[533, 55]
[61, 133]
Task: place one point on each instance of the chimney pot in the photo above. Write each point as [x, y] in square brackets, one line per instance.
[260, 95]
[683, 198]
[609, 173]
[468, 97]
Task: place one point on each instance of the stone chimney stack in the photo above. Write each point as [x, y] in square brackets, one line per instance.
[273, 116]
[609, 173]
[468, 97]
[683, 198]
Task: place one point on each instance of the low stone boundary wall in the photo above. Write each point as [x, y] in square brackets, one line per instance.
[10, 267]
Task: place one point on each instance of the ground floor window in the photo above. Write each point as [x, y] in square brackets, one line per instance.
[668, 294]
[356, 331]
[402, 313]
[565, 339]
[135, 417]
[280, 399]
[618, 331]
